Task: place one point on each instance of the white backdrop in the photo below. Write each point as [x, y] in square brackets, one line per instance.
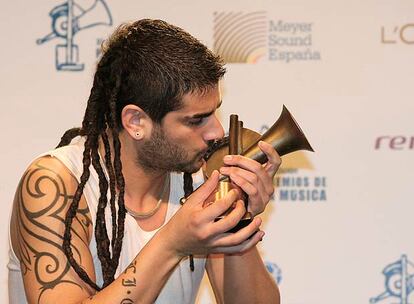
[339, 228]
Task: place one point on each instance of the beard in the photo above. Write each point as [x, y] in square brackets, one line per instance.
[159, 153]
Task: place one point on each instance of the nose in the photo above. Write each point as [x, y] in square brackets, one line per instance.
[214, 131]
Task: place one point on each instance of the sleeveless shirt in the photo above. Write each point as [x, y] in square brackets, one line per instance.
[182, 285]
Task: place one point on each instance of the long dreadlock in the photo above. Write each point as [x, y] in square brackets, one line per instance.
[151, 64]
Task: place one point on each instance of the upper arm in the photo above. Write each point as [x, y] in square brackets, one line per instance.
[42, 199]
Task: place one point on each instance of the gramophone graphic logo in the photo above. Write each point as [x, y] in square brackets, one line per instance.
[399, 282]
[240, 37]
[68, 19]
[275, 271]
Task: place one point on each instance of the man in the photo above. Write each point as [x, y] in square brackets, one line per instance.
[98, 220]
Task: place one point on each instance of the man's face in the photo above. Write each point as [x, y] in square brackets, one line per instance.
[181, 140]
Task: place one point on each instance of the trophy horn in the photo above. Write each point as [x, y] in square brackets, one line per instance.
[285, 136]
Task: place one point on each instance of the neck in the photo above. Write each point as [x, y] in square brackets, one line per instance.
[142, 188]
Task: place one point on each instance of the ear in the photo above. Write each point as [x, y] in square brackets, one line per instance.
[136, 122]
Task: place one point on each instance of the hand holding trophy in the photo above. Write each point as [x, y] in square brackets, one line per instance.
[285, 136]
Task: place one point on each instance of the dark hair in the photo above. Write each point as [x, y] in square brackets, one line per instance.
[158, 63]
[151, 64]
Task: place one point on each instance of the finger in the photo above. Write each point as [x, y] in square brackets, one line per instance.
[230, 220]
[251, 177]
[258, 194]
[274, 160]
[243, 162]
[243, 247]
[258, 197]
[205, 190]
[249, 165]
[248, 181]
[235, 239]
[220, 206]
[244, 178]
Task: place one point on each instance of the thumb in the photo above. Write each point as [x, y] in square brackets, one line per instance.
[204, 191]
[273, 159]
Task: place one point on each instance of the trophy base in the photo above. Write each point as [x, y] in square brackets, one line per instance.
[240, 225]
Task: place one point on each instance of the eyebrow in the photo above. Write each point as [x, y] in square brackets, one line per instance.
[202, 115]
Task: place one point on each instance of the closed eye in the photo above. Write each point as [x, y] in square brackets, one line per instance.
[197, 121]
[200, 118]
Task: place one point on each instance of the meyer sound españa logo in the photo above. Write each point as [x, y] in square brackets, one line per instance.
[249, 37]
[402, 34]
[399, 282]
[67, 20]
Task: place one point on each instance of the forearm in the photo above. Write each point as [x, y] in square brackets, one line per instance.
[246, 280]
[144, 279]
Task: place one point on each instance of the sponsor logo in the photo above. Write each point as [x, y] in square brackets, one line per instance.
[275, 271]
[396, 142]
[249, 37]
[399, 282]
[291, 41]
[239, 37]
[67, 20]
[398, 34]
[294, 186]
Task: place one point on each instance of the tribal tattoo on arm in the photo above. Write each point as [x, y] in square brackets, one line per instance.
[43, 196]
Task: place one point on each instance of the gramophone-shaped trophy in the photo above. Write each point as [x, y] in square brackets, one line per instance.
[285, 136]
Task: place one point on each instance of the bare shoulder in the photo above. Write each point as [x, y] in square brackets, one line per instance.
[45, 192]
[42, 199]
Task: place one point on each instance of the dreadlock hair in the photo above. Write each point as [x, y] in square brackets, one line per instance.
[151, 64]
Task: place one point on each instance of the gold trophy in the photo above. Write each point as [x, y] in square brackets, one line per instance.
[285, 136]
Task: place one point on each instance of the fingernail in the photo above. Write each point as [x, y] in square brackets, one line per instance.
[261, 239]
[224, 169]
[228, 157]
[214, 173]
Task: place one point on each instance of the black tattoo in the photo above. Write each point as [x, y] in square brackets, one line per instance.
[129, 282]
[132, 267]
[40, 247]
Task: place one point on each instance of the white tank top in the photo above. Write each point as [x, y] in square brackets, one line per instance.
[183, 284]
